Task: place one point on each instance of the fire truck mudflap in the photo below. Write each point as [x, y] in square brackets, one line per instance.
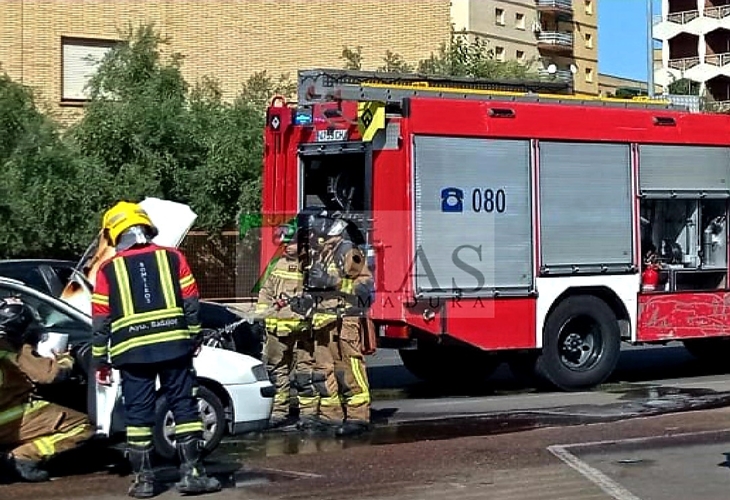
[502, 228]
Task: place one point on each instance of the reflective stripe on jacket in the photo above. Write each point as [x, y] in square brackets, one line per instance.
[147, 319]
[284, 280]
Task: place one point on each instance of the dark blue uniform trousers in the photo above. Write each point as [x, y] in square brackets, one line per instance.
[177, 382]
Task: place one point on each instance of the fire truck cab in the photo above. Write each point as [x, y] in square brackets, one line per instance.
[501, 226]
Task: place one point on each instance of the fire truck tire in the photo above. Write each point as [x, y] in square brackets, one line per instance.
[449, 364]
[581, 346]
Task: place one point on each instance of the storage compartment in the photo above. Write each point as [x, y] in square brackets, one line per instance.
[687, 240]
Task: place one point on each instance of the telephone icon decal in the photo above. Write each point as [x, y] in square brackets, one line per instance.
[452, 200]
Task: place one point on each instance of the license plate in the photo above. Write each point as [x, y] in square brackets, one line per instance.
[331, 135]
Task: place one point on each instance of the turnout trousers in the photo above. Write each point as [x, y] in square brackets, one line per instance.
[350, 371]
[314, 376]
[44, 430]
[281, 352]
[178, 383]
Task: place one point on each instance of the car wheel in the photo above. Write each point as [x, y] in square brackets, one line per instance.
[211, 412]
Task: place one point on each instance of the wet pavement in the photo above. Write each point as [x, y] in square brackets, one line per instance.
[500, 441]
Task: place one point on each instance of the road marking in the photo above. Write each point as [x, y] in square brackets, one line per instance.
[594, 475]
[289, 472]
[599, 478]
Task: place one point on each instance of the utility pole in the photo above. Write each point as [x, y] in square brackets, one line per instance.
[650, 47]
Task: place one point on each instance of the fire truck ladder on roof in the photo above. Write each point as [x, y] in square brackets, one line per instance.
[326, 85]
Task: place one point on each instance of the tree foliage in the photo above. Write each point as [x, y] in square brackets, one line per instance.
[41, 206]
[461, 56]
[155, 135]
[146, 131]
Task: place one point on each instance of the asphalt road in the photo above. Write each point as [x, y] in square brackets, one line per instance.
[501, 441]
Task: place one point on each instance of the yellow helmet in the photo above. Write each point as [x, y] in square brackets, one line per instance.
[122, 216]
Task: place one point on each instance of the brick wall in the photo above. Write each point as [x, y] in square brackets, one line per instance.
[227, 39]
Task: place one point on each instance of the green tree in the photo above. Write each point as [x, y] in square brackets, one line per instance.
[461, 56]
[41, 208]
[147, 132]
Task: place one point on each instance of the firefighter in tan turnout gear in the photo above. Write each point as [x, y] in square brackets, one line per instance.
[339, 279]
[284, 327]
[31, 429]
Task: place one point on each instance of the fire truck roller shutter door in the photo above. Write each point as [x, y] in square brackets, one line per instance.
[473, 219]
[583, 222]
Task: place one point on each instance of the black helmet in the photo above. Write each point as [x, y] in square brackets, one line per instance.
[321, 222]
[16, 319]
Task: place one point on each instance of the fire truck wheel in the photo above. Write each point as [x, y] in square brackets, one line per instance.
[581, 346]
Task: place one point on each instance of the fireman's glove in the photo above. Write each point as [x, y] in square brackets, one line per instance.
[363, 292]
[302, 305]
[319, 278]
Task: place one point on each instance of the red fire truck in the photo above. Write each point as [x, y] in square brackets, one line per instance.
[540, 230]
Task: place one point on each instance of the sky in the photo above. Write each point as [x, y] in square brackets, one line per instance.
[622, 31]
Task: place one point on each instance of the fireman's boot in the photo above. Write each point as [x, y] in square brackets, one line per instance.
[352, 428]
[193, 479]
[144, 477]
[28, 471]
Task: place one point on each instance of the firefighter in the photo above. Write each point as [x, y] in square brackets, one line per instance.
[35, 429]
[314, 371]
[145, 323]
[337, 364]
[284, 327]
[350, 275]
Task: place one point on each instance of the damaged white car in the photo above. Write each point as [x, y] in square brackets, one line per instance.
[235, 393]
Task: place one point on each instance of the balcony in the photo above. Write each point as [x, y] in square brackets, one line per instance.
[562, 7]
[553, 41]
[716, 59]
[561, 75]
[717, 12]
[683, 17]
[684, 64]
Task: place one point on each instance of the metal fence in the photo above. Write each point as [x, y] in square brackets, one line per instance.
[225, 266]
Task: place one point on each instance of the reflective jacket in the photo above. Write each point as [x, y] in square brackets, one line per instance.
[285, 278]
[20, 370]
[145, 307]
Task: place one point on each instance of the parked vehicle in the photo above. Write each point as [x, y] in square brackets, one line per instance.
[236, 395]
[533, 229]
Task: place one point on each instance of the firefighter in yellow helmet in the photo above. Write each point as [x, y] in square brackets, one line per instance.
[284, 327]
[145, 323]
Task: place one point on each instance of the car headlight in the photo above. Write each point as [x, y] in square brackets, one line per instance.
[260, 373]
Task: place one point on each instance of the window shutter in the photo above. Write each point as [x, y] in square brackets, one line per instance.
[79, 63]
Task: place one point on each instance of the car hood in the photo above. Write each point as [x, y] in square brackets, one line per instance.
[173, 221]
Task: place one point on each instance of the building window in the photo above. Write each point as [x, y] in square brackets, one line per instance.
[499, 53]
[519, 21]
[589, 75]
[499, 17]
[589, 7]
[78, 63]
[589, 40]
[520, 55]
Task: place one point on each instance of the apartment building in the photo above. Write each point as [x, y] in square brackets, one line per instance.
[559, 37]
[695, 36]
[46, 43]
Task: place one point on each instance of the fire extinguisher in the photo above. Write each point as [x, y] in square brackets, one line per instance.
[650, 278]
